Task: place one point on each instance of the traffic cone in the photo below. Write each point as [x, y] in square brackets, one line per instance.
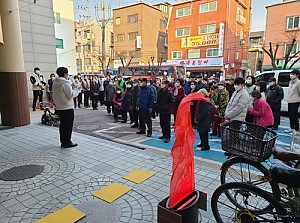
[50, 104]
[38, 105]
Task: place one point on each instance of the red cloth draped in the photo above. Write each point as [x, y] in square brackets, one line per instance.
[183, 176]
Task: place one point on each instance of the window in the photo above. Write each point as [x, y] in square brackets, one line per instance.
[183, 12]
[87, 34]
[132, 18]
[293, 22]
[132, 36]
[237, 55]
[59, 43]
[162, 24]
[120, 37]
[194, 54]
[211, 28]
[78, 62]
[88, 61]
[265, 77]
[288, 47]
[88, 48]
[163, 39]
[208, 7]
[78, 49]
[118, 21]
[57, 18]
[176, 55]
[212, 52]
[183, 32]
[284, 79]
[240, 16]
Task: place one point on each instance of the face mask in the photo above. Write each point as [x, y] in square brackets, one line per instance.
[292, 76]
[148, 84]
[272, 83]
[163, 85]
[193, 86]
[176, 84]
[37, 72]
[118, 92]
[237, 87]
[249, 81]
[129, 86]
[52, 78]
[257, 88]
[220, 87]
[134, 84]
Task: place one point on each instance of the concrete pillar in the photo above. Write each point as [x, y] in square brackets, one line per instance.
[14, 104]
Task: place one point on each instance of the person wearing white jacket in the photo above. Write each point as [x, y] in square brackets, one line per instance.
[63, 94]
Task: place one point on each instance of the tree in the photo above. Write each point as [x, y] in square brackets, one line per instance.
[272, 54]
[288, 52]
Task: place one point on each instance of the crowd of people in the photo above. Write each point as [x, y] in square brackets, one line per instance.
[143, 100]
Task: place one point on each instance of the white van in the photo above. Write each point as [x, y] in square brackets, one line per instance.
[283, 79]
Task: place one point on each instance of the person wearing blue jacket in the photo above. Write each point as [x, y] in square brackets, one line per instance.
[145, 103]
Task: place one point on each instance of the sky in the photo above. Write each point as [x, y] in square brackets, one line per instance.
[258, 9]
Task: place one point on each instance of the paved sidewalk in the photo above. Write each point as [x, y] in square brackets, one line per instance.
[71, 175]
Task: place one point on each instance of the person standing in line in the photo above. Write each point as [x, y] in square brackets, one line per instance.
[126, 103]
[63, 94]
[250, 84]
[219, 100]
[275, 95]
[101, 89]
[294, 101]
[38, 85]
[117, 100]
[77, 85]
[150, 83]
[49, 88]
[193, 89]
[203, 120]
[179, 94]
[79, 97]
[120, 83]
[95, 89]
[145, 103]
[109, 94]
[230, 87]
[134, 97]
[165, 102]
[86, 87]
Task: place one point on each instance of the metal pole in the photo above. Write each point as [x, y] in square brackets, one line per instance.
[84, 64]
[103, 39]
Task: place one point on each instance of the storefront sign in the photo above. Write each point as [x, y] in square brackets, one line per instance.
[202, 62]
[197, 41]
[221, 39]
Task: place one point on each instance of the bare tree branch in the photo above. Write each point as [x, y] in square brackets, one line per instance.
[288, 53]
[294, 63]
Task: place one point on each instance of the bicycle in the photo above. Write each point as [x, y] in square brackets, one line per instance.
[276, 205]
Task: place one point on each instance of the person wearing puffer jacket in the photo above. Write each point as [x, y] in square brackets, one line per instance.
[261, 110]
[63, 94]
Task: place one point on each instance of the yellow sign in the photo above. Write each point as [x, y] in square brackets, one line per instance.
[197, 41]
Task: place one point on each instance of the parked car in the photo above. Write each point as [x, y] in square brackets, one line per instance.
[282, 77]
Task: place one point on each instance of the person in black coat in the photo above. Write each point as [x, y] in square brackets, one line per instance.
[165, 102]
[230, 87]
[134, 97]
[203, 120]
[193, 103]
[274, 97]
[126, 103]
[94, 92]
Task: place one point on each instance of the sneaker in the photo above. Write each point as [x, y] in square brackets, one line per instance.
[204, 148]
[294, 133]
[108, 114]
[162, 137]
[288, 130]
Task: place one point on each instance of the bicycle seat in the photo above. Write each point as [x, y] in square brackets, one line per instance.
[285, 174]
[285, 155]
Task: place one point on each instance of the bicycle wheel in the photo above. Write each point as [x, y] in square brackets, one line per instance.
[252, 202]
[238, 169]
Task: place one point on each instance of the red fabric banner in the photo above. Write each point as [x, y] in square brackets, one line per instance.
[183, 176]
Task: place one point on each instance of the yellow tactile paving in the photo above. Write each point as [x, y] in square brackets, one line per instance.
[138, 176]
[68, 214]
[111, 192]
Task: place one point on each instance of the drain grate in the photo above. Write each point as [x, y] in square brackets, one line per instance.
[21, 172]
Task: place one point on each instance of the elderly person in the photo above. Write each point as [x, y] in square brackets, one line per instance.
[261, 110]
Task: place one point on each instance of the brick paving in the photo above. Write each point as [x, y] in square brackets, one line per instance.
[71, 175]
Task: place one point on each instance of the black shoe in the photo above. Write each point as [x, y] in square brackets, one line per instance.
[33, 109]
[199, 145]
[227, 154]
[69, 145]
[205, 148]
[141, 132]
[162, 137]
[166, 140]
[134, 126]
[124, 121]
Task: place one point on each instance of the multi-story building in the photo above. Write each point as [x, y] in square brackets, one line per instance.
[210, 36]
[89, 46]
[255, 54]
[65, 34]
[282, 26]
[140, 33]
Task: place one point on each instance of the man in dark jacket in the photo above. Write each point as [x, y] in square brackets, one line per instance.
[145, 103]
[109, 94]
[134, 97]
[165, 102]
[95, 89]
[126, 103]
[274, 97]
[230, 87]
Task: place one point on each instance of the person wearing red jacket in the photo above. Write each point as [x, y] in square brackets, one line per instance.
[261, 111]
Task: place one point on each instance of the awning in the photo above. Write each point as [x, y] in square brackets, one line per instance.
[1, 33]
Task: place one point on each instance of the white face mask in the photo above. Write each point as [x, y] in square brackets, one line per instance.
[257, 88]
[193, 86]
[237, 87]
[292, 76]
[37, 72]
[129, 86]
[118, 92]
[163, 86]
[176, 84]
[134, 84]
[221, 87]
[249, 81]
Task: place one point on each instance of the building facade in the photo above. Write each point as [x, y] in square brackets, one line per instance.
[282, 26]
[89, 46]
[210, 37]
[65, 34]
[140, 34]
[255, 54]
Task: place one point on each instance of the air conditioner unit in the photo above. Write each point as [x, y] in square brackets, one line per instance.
[165, 44]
